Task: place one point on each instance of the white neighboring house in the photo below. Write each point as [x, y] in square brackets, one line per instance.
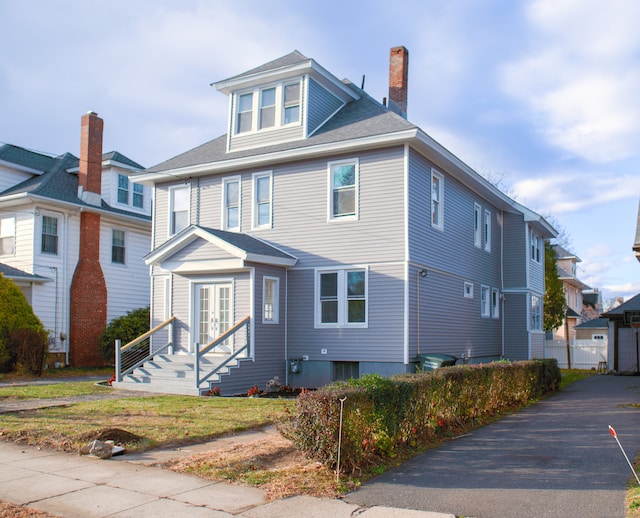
[41, 211]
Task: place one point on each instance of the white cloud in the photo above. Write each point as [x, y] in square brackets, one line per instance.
[580, 82]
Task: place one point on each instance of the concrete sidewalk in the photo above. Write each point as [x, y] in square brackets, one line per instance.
[68, 485]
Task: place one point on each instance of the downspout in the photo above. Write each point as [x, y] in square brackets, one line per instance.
[286, 327]
[502, 297]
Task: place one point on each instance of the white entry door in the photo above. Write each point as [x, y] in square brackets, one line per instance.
[213, 315]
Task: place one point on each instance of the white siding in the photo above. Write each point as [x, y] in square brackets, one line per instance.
[9, 178]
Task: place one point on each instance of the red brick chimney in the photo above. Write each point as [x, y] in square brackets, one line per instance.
[88, 304]
[398, 80]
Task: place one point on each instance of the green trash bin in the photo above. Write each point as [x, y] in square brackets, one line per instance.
[431, 362]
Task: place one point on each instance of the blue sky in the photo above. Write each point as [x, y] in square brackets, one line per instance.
[539, 96]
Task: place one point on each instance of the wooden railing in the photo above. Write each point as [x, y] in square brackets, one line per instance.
[239, 350]
[138, 351]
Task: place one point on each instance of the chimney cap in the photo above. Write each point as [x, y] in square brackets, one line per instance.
[91, 112]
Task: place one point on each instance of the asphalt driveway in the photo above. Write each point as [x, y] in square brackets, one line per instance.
[555, 458]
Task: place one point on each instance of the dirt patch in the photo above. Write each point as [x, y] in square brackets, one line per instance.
[117, 435]
[272, 463]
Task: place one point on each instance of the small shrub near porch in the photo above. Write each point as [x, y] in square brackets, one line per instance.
[126, 328]
[384, 416]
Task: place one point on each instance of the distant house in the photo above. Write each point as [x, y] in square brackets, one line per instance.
[567, 266]
[331, 238]
[73, 234]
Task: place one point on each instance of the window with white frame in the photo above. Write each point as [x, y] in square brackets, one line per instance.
[536, 313]
[7, 235]
[598, 337]
[468, 290]
[117, 247]
[495, 303]
[123, 189]
[231, 203]
[341, 298]
[262, 199]
[49, 235]
[343, 189]
[270, 295]
[487, 231]
[276, 106]
[477, 225]
[267, 108]
[437, 200]
[536, 244]
[138, 196]
[178, 209]
[485, 309]
[244, 117]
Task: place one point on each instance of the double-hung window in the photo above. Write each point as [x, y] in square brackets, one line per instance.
[244, 120]
[270, 295]
[178, 208]
[437, 200]
[536, 313]
[117, 247]
[343, 189]
[485, 309]
[495, 303]
[123, 189]
[341, 298]
[535, 243]
[477, 225]
[231, 203]
[267, 108]
[291, 103]
[262, 200]
[7, 235]
[487, 231]
[49, 235]
[138, 196]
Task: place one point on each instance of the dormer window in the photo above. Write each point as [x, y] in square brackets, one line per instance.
[272, 107]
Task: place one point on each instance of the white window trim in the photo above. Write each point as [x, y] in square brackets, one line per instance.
[468, 290]
[485, 301]
[477, 225]
[255, 212]
[13, 233]
[126, 238]
[342, 298]
[440, 177]
[141, 193]
[256, 104]
[487, 231]
[58, 233]
[171, 200]
[118, 189]
[598, 336]
[531, 328]
[350, 217]
[535, 242]
[226, 181]
[276, 300]
[495, 303]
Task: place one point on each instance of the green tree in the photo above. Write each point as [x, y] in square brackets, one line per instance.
[555, 305]
[15, 314]
[125, 328]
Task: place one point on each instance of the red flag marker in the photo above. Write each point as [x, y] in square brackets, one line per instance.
[615, 436]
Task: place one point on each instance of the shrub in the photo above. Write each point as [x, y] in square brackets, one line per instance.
[15, 313]
[31, 349]
[381, 416]
[126, 328]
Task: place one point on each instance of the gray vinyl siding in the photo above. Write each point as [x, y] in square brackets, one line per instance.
[516, 251]
[158, 311]
[537, 345]
[516, 335]
[322, 104]
[536, 273]
[452, 324]
[200, 250]
[381, 341]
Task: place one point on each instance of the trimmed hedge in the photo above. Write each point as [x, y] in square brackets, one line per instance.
[382, 416]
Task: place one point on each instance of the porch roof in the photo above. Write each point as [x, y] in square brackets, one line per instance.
[19, 275]
[244, 247]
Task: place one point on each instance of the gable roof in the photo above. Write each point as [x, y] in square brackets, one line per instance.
[633, 304]
[56, 180]
[293, 58]
[594, 323]
[241, 246]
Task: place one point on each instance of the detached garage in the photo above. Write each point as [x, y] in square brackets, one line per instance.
[624, 331]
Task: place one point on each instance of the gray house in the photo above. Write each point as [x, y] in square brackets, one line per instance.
[324, 237]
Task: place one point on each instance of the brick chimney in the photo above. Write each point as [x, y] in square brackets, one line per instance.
[88, 293]
[90, 174]
[398, 80]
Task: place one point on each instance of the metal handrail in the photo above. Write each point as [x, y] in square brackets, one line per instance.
[124, 348]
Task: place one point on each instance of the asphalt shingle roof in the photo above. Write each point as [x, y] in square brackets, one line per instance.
[596, 322]
[11, 272]
[247, 243]
[25, 158]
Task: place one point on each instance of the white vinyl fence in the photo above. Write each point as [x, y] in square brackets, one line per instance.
[585, 354]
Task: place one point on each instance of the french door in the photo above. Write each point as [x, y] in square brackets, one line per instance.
[213, 314]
